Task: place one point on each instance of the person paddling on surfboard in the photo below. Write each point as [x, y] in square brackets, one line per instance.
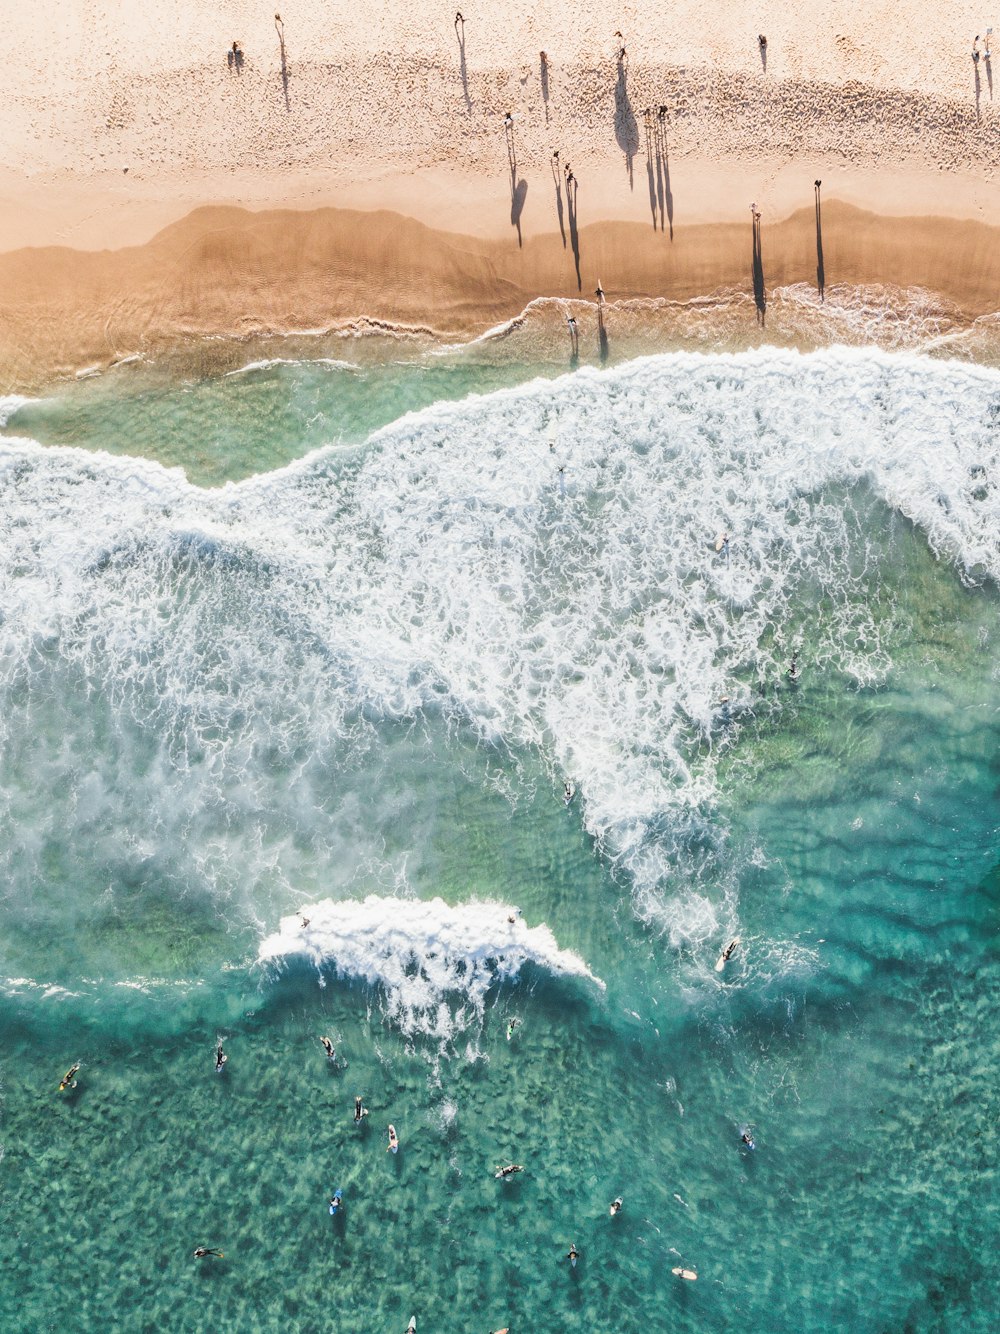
[69, 1079]
[512, 1169]
[569, 792]
[360, 1111]
[572, 1255]
[336, 1200]
[411, 1328]
[510, 1028]
[747, 1138]
[200, 1252]
[220, 1059]
[393, 1144]
[727, 954]
[328, 1047]
[616, 1206]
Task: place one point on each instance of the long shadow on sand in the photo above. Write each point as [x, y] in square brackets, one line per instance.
[626, 127]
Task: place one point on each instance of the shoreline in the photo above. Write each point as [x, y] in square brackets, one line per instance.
[231, 273]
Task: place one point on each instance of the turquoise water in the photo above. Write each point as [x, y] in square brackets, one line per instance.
[350, 689]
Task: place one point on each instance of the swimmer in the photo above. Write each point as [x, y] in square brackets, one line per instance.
[572, 1255]
[616, 1207]
[69, 1079]
[502, 1173]
[793, 670]
[393, 1144]
[336, 1200]
[513, 915]
[328, 1047]
[360, 1111]
[510, 1028]
[200, 1252]
[220, 1059]
[304, 921]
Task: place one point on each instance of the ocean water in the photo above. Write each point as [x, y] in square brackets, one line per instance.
[297, 652]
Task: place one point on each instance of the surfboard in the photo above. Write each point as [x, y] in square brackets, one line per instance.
[336, 1202]
[689, 1274]
[411, 1328]
[726, 954]
[721, 541]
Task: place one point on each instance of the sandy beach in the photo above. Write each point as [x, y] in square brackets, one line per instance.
[157, 183]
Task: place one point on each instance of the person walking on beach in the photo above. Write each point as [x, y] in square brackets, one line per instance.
[328, 1047]
[975, 48]
[200, 1252]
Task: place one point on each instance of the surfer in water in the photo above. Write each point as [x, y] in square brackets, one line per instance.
[200, 1252]
[747, 1138]
[411, 1328]
[360, 1111]
[572, 1255]
[727, 954]
[616, 1206]
[512, 1169]
[220, 1059]
[69, 1079]
[793, 669]
[328, 1047]
[336, 1200]
[569, 792]
[510, 1028]
[393, 1145]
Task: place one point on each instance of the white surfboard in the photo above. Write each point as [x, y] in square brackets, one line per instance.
[689, 1274]
[721, 540]
[727, 954]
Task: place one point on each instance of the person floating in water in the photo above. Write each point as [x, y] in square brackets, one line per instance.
[393, 1144]
[200, 1252]
[336, 1200]
[220, 1059]
[360, 1111]
[616, 1206]
[572, 1255]
[328, 1047]
[748, 1139]
[69, 1079]
[793, 669]
[512, 1169]
[512, 1024]
[513, 915]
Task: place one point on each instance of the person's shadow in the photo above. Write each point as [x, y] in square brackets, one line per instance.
[463, 68]
[284, 63]
[663, 172]
[518, 188]
[559, 201]
[235, 58]
[820, 270]
[574, 234]
[543, 61]
[989, 73]
[759, 294]
[762, 45]
[626, 127]
[647, 120]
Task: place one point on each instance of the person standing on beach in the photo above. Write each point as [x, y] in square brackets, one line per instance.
[975, 48]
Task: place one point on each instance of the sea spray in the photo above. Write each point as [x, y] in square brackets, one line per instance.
[434, 963]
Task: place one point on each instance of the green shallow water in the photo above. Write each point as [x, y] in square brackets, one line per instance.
[855, 1030]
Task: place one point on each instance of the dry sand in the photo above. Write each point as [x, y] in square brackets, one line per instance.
[120, 124]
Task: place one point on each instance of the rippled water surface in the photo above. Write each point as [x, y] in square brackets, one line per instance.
[285, 757]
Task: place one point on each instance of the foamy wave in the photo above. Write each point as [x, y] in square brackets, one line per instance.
[539, 563]
[12, 403]
[270, 362]
[424, 955]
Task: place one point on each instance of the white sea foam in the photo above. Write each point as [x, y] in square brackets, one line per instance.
[12, 403]
[450, 567]
[269, 363]
[434, 962]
